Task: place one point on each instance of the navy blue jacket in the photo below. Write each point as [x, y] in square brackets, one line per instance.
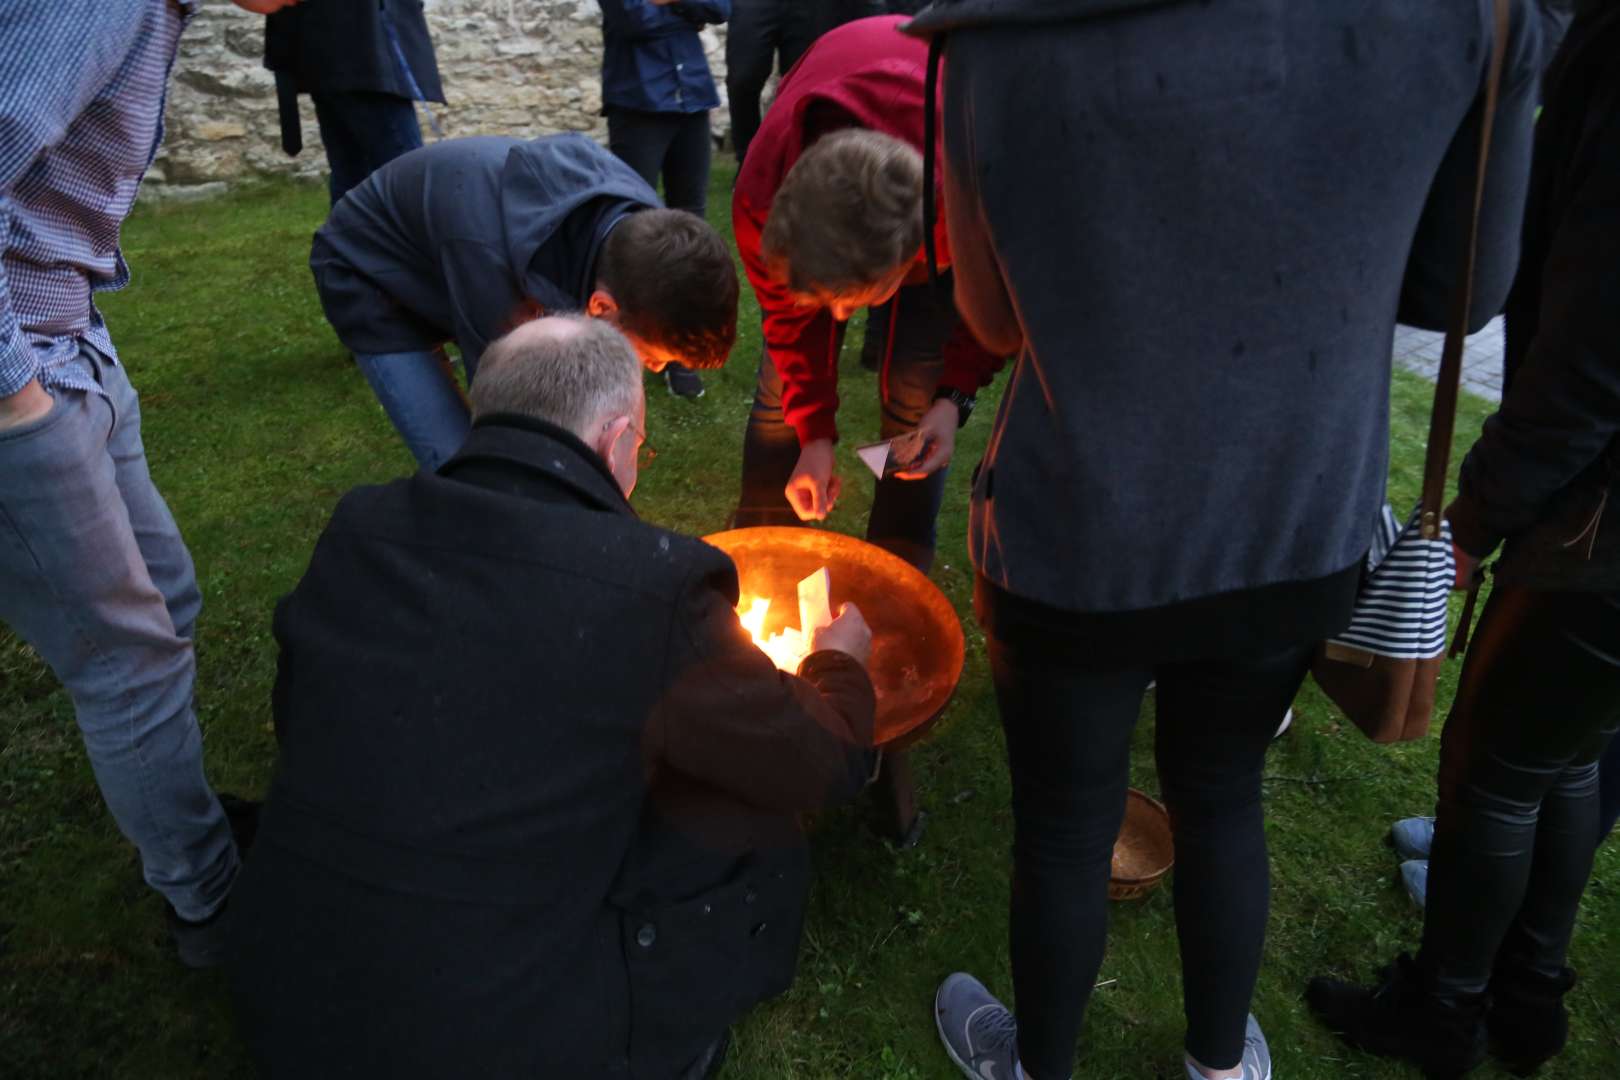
[465, 238]
[652, 57]
[348, 46]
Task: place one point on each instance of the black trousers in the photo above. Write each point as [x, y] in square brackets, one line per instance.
[1518, 816]
[675, 146]
[770, 35]
[362, 132]
[1068, 726]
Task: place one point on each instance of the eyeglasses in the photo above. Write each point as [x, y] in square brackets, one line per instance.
[646, 452]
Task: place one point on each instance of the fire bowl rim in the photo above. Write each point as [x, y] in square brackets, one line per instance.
[892, 563]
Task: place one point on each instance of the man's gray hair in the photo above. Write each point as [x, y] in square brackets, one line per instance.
[568, 369]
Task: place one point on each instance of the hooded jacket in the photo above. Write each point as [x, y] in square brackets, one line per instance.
[463, 239]
[864, 74]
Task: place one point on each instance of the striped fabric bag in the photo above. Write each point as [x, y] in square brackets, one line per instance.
[1401, 609]
[1382, 669]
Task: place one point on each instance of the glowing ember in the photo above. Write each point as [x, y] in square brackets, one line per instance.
[788, 647]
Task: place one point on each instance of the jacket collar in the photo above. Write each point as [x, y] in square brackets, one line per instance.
[945, 15]
[534, 458]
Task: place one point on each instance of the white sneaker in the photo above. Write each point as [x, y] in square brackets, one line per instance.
[1256, 1062]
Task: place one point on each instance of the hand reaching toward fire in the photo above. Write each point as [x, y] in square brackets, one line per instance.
[813, 488]
[847, 634]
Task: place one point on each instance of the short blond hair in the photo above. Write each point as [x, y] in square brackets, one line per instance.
[568, 369]
[848, 214]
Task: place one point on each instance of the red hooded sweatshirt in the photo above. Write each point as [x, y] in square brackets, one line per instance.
[864, 74]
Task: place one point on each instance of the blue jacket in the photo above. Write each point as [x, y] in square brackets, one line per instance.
[652, 58]
[463, 238]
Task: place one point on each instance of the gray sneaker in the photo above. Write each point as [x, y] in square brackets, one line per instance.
[979, 1032]
[1256, 1055]
[1412, 837]
[1415, 876]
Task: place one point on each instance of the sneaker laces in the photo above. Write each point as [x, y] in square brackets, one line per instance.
[993, 1028]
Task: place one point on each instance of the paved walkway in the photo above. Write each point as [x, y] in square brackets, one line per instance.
[1419, 351]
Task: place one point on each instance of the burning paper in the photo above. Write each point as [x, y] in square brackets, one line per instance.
[788, 647]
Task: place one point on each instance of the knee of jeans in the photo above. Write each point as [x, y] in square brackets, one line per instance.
[1577, 782]
[1056, 832]
[1490, 806]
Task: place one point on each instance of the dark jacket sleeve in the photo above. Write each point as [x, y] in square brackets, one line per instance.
[730, 719]
[1563, 408]
[1442, 233]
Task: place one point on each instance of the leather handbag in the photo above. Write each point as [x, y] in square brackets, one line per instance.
[1382, 670]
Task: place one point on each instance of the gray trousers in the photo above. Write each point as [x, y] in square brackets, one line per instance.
[94, 575]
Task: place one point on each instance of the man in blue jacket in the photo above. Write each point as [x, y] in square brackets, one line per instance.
[656, 94]
[466, 238]
[364, 63]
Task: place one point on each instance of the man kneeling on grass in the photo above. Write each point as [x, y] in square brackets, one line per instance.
[535, 813]
[462, 240]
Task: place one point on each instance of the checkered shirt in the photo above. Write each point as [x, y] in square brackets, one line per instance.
[82, 85]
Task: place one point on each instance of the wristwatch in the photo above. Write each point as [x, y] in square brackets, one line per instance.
[964, 403]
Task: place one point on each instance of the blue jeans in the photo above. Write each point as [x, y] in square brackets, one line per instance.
[362, 132]
[420, 394]
[903, 511]
[94, 575]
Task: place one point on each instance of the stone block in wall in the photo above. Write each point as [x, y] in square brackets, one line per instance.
[512, 67]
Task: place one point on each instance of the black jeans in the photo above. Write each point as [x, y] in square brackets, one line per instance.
[674, 145]
[1517, 820]
[903, 511]
[770, 35]
[362, 132]
[1609, 790]
[1068, 726]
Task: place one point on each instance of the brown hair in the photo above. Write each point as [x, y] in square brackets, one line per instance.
[848, 214]
[675, 283]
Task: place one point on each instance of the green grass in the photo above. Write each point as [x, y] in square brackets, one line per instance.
[255, 422]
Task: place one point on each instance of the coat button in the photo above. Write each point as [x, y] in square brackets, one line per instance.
[758, 930]
[646, 935]
[750, 897]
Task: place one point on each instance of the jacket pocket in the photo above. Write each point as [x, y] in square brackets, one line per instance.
[696, 965]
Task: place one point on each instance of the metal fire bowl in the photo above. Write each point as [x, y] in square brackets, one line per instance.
[916, 636]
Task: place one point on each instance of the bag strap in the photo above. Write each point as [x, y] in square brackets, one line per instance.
[1443, 418]
[936, 51]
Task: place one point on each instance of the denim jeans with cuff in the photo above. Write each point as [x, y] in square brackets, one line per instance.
[94, 575]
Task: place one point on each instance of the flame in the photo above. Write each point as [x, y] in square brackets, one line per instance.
[787, 648]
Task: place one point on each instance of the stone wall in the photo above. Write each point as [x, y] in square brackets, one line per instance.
[512, 67]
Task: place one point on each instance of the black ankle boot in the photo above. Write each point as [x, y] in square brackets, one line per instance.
[1527, 1020]
[1400, 1018]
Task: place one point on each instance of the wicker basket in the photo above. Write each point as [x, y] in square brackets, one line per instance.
[1144, 853]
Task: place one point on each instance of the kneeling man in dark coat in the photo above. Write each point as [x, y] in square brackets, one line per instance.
[536, 808]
